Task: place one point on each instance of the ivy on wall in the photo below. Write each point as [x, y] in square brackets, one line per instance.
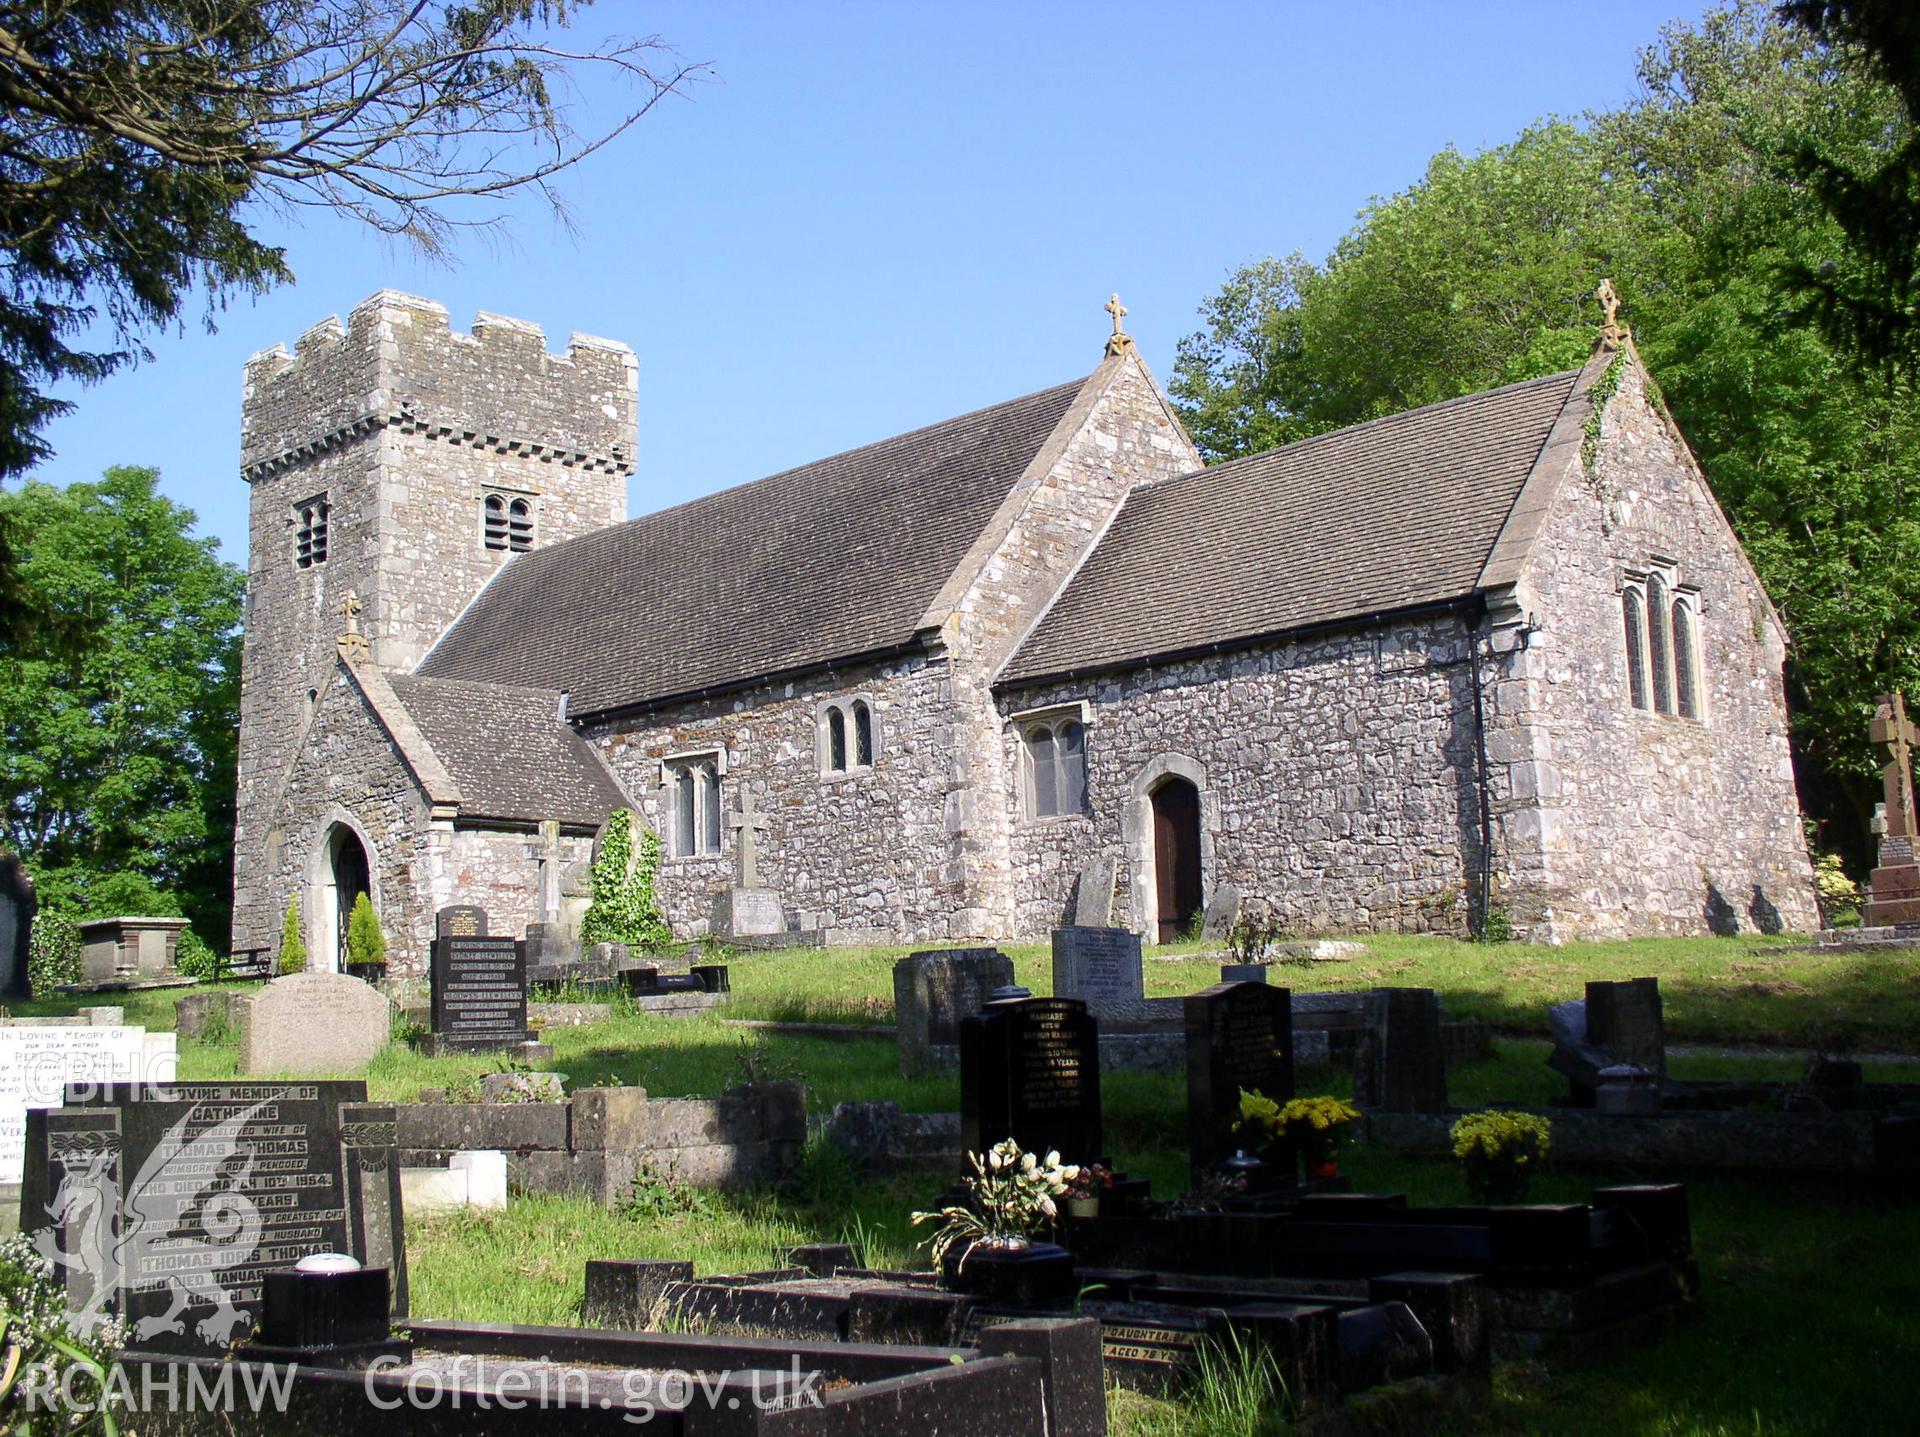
[625, 908]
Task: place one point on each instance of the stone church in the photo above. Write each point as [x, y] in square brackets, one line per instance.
[1500, 655]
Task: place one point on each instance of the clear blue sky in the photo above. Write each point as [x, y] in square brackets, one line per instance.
[880, 215]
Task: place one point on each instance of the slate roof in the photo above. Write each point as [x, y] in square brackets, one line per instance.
[825, 562]
[509, 752]
[1387, 515]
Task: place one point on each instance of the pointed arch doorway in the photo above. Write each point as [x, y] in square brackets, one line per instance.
[1177, 863]
[344, 875]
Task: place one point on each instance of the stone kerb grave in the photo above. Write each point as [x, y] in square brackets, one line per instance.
[169, 1204]
[479, 987]
[39, 1057]
[1239, 1037]
[312, 1023]
[1030, 1071]
[932, 992]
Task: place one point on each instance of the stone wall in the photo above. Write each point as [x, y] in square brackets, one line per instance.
[1615, 820]
[405, 426]
[856, 853]
[1120, 433]
[1337, 779]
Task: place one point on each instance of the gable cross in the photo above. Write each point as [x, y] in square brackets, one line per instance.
[1613, 332]
[748, 826]
[1119, 342]
[1895, 732]
[353, 643]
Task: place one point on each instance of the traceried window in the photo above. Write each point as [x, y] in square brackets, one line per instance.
[1056, 768]
[693, 793]
[1662, 631]
[1660, 647]
[310, 532]
[1686, 658]
[1633, 606]
[846, 736]
[506, 523]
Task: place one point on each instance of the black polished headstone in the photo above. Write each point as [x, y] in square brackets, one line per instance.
[1239, 1037]
[1403, 1061]
[1030, 1071]
[1626, 1020]
[168, 1204]
[479, 991]
[460, 920]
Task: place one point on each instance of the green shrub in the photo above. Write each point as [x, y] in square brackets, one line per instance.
[293, 948]
[194, 957]
[365, 941]
[53, 952]
[625, 908]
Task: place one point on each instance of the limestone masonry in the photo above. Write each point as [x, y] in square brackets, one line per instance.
[1499, 661]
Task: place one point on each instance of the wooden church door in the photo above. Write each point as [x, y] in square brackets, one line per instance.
[1176, 856]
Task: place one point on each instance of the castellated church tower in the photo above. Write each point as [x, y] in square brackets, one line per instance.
[399, 462]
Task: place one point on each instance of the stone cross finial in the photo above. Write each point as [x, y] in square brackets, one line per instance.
[353, 643]
[1612, 331]
[748, 826]
[1895, 732]
[1119, 342]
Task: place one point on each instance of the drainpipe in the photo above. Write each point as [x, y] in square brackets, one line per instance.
[1478, 923]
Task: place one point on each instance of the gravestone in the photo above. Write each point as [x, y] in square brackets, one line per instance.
[1893, 892]
[1625, 1019]
[313, 1023]
[1102, 968]
[167, 1205]
[479, 985]
[1030, 1071]
[17, 906]
[747, 910]
[1223, 911]
[932, 992]
[1402, 1064]
[1239, 1037]
[1093, 894]
[39, 1059]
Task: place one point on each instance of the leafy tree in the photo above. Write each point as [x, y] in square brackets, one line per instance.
[117, 759]
[1867, 297]
[1483, 273]
[365, 941]
[141, 139]
[625, 907]
[293, 948]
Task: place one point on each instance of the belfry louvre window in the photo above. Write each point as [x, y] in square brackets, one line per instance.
[1056, 769]
[846, 736]
[310, 532]
[693, 793]
[1661, 624]
[506, 524]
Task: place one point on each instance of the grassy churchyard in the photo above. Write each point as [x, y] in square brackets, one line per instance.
[1809, 1312]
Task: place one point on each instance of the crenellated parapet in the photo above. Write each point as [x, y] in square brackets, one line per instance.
[398, 362]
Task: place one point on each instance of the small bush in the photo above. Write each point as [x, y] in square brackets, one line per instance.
[53, 952]
[194, 957]
[293, 948]
[366, 943]
[625, 908]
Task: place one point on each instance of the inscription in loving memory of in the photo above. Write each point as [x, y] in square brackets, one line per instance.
[481, 987]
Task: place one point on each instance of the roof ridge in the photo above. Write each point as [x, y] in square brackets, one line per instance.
[1297, 444]
[839, 454]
